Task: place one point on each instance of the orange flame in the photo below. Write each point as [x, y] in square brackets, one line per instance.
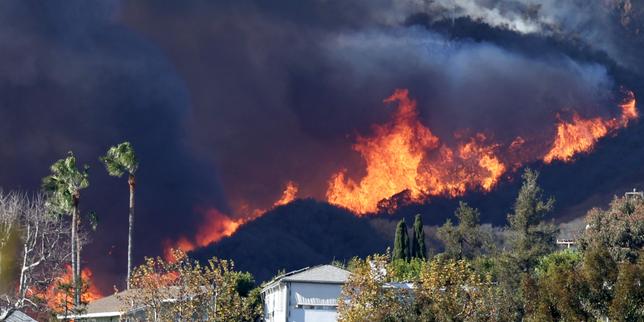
[393, 157]
[404, 155]
[486, 161]
[58, 299]
[405, 161]
[580, 135]
[289, 194]
[217, 225]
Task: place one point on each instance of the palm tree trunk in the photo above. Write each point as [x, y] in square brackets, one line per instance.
[74, 252]
[79, 279]
[132, 183]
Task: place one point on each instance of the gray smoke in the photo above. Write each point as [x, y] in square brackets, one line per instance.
[610, 26]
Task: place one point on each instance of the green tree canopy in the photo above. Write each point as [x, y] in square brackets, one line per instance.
[367, 297]
[467, 239]
[64, 184]
[628, 298]
[401, 246]
[418, 249]
[558, 289]
[63, 187]
[120, 159]
[530, 236]
[620, 228]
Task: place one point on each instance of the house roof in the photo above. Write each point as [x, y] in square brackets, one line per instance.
[108, 306]
[113, 306]
[18, 316]
[317, 274]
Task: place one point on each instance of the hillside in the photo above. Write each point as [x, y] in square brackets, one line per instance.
[302, 233]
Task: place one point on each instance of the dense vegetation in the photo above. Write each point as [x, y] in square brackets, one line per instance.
[211, 292]
[529, 279]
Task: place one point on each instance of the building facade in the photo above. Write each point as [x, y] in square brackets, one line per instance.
[305, 295]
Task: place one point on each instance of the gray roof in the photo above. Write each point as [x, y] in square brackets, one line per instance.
[18, 316]
[317, 274]
[106, 304]
[112, 306]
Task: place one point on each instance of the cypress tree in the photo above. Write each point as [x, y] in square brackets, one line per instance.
[401, 242]
[418, 249]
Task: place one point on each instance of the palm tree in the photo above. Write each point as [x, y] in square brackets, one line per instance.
[63, 186]
[119, 160]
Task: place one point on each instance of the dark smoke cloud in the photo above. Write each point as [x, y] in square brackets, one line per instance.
[280, 91]
[256, 93]
[71, 78]
[479, 86]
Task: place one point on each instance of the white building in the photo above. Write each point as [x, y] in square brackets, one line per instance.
[306, 295]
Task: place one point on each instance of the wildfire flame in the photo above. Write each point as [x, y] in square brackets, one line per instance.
[56, 297]
[629, 110]
[217, 225]
[289, 194]
[405, 161]
[404, 155]
[580, 135]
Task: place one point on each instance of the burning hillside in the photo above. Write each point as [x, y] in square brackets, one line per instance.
[580, 135]
[404, 155]
[217, 225]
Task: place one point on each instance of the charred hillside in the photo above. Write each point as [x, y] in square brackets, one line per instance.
[302, 233]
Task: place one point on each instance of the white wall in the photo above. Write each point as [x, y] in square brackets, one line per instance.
[313, 290]
[275, 304]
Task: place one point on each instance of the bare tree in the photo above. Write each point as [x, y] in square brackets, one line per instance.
[45, 240]
[43, 243]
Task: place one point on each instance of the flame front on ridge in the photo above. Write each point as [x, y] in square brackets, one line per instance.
[404, 158]
[404, 155]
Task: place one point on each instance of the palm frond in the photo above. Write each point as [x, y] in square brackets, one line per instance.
[120, 159]
[63, 183]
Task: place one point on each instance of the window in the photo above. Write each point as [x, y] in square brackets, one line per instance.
[317, 307]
